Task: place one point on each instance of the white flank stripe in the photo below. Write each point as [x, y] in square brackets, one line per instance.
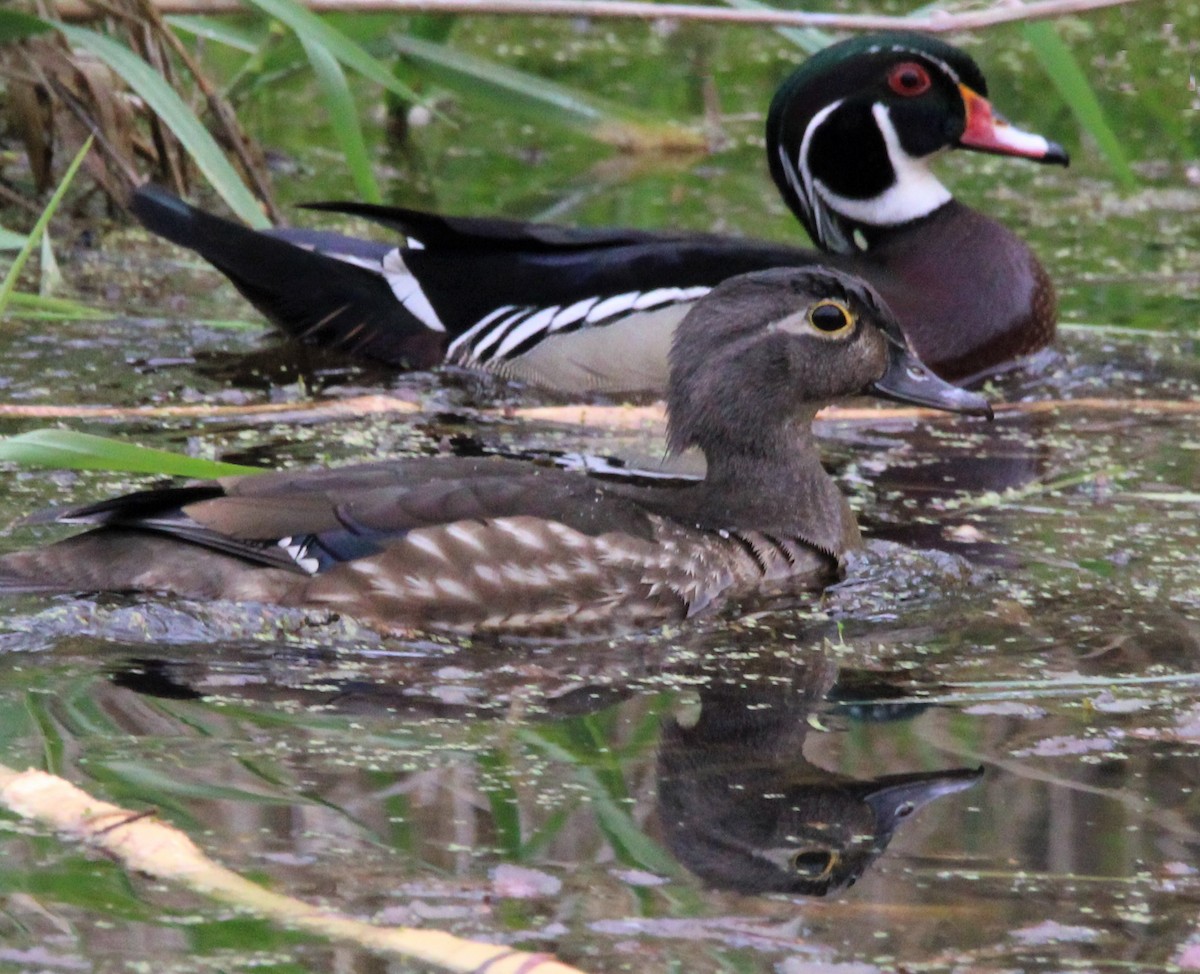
[495, 333]
[526, 329]
[612, 306]
[572, 313]
[408, 291]
[661, 295]
[669, 295]
[469, 335]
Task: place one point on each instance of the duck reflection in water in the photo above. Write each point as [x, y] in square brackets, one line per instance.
[738, 803]
[743, 809]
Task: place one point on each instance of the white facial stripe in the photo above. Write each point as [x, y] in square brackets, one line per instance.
[915, 193]
[829, 233]
[525, 330]
[920, 55]
[408, 291]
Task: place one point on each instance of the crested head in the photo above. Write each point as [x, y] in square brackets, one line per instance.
[756, 358]
[851, 132]
[764, 350]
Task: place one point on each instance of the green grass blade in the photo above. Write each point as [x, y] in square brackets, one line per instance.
[308, 26]
[45, 306]
[51, 273]
[502, 799]
[218, 30]
[343, 116]
[1068, 77]
[808, 39]
[15, 25]
[177, 116]
[66, 449]
[39, 228]
[517, 90]
[11, 240]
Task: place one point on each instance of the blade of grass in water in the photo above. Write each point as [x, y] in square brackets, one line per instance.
[58, 309]
[66, 449]
[1068, 77]
[519, 90]
[35, 305]
[343, 117]
[312, 29]
[177, 116]
[10, 240]
[10, 281]
[219, 31]
[808, 39]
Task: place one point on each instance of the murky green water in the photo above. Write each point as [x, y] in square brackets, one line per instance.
[622, 804]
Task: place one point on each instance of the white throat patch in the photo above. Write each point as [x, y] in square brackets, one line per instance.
[915, 193]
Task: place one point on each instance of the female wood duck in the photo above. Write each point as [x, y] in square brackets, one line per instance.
[742, 807]
[849, 138]
[497, 544]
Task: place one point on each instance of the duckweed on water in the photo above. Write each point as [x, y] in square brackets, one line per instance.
[392, 776]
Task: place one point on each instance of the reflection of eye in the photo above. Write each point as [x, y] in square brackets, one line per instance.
[830, 317]
[813, 863]
[904, 810]
[909, 79]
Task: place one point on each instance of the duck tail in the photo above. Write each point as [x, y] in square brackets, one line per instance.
[323, 288]
[53, 570]
[136, 560]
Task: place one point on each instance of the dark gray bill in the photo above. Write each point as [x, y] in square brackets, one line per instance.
[908, 380]
[896, 796]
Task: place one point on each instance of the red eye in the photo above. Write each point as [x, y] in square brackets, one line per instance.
[909, 79]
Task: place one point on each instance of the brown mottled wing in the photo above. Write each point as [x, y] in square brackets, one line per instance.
[381, 501]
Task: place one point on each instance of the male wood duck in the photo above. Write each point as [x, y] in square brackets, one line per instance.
[493, 544]
[850, 136]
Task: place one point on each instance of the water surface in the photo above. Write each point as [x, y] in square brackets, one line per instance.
[628, 804]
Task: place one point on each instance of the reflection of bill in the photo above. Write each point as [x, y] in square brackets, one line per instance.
[742, 808]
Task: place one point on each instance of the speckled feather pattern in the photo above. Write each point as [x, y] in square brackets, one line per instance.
[526, 574]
